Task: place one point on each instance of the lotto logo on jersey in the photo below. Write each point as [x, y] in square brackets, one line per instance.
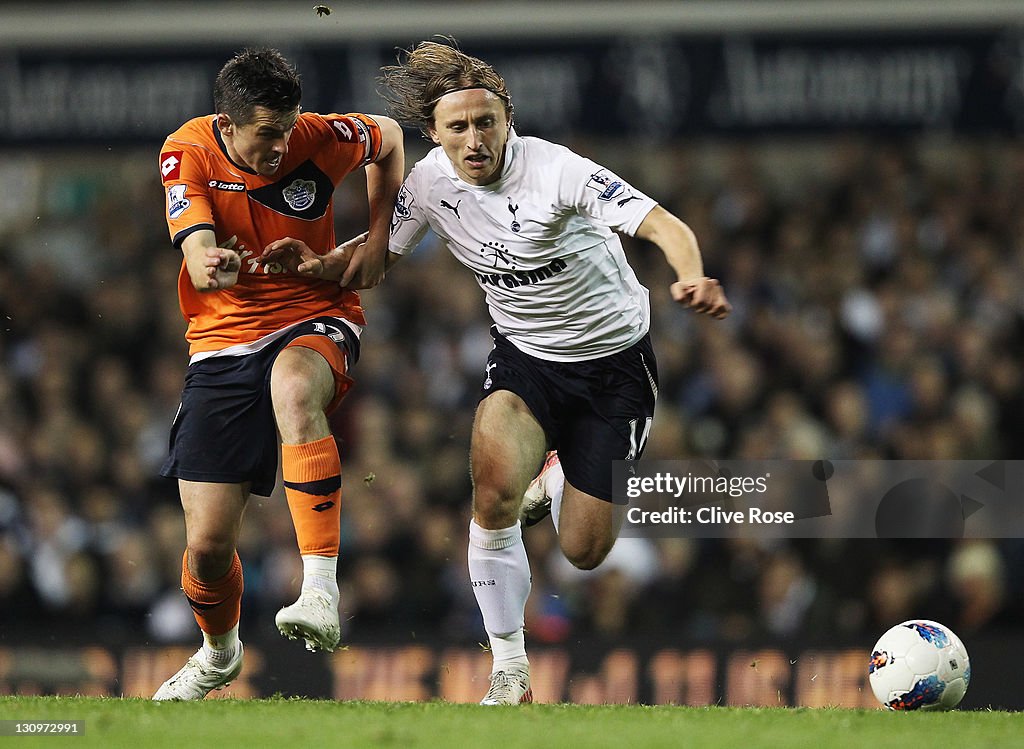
[177, 203]
[217, 184]
[170, 165]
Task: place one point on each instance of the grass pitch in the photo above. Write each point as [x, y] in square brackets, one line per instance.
[254, 724]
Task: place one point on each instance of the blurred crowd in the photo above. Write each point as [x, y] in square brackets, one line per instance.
[878, 293]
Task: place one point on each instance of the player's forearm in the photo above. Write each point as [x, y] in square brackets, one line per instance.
[336, 261]
[334, 264]
[383, 180]
[196, 249]
[676, 240]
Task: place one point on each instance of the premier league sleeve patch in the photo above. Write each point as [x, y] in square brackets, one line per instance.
[608, 187]
[177, 203]
[403, 208]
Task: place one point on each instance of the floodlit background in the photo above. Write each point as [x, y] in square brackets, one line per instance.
[855, 176]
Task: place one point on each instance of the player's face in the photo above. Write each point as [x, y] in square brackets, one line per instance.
[260, 144]
[472, 128]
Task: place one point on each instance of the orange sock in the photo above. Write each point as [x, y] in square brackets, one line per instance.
[312, 484]
[216, 605]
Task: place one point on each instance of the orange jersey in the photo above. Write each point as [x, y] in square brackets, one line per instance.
[207, 190]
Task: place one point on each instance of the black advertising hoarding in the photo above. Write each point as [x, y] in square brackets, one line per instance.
[657, 670]
[628, 86]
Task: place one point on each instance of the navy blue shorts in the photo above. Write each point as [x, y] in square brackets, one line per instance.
[592, 412]
[225, 431]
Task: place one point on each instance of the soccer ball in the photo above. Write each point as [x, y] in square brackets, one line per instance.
[919, 665]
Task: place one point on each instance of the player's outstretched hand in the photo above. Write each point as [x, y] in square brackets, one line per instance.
[295, 255]
[365, 267]
[703, 295]
[222, 265]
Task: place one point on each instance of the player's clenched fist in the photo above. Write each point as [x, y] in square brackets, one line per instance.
[222, 265]
[703, 295]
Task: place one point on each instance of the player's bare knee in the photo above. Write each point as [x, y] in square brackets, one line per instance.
[295, 419]
[586, 556]
[298, 408]
[585, 560]
[291, 390]
[495, 508]
[494, 517]
[210, 558]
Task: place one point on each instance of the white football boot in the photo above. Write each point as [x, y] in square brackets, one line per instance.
[313, 618]
[198, 677]
[510, 685]
[537, 499]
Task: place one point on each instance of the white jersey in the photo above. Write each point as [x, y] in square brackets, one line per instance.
[541, 245]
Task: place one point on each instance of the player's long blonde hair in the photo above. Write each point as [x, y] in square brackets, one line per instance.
[429, 71]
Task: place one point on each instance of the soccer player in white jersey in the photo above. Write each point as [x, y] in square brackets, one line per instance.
[572, 369]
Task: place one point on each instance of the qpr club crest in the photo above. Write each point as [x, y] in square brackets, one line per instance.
[300, 194]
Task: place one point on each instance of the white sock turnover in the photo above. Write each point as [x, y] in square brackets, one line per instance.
[220, 649]
[320, 573]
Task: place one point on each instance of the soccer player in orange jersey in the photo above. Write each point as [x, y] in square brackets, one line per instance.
[271, 341]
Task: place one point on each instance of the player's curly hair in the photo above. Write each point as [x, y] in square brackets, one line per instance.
[256, 77]
[429, 71]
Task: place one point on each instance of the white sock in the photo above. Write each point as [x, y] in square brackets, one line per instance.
[500, 574]
[220, 649]
[554, 485]
[510, 649]
[320, 573]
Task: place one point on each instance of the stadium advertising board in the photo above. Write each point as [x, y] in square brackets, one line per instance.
[657, 672]
[642, 86]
